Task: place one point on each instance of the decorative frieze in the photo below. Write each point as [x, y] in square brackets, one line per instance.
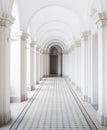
[6, 19]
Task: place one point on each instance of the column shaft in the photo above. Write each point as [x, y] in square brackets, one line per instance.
[5, 23]
[84, 65]
[102, 68]
[23, 76]
[33, 65]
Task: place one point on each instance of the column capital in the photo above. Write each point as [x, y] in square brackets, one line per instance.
[100, 19]
[24, 36]
[77, 43]
[72, 47]
[38, 48]
[85, 35]
[33, 44]
[6, 19]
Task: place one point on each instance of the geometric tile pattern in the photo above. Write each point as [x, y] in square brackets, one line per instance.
[52, 107]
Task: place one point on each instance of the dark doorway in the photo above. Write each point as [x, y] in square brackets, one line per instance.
[54, 64]
[55, 61]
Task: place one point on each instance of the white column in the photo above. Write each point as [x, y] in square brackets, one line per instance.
[39, 66]
[69, 64]
[102, 67]
[44, 64]
[37, 80]
[15, 67]
[84, 65]
[32, 66]
[23, 68]
[5, 22]
[90, 76]
[35, 63]
[73, 64]
[93, 69]
[59, 64]
[47, 65]
[78, 66]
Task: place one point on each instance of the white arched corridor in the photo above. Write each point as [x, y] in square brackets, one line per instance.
[53, 65]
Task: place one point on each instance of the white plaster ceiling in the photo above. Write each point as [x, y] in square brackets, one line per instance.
[54, 19]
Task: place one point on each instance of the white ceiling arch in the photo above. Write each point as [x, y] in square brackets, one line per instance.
[72, 10]
[55, 42]
[66, 17]
[55, 33]
[39, 28]
[55, 13]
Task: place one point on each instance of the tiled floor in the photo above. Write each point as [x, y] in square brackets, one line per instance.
[53, 107]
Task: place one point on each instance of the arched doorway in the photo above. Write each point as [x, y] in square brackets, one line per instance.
[55, 61]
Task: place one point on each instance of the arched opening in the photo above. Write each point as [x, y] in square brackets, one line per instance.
[55, 61]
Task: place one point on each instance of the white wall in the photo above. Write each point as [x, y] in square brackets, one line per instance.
[15, 70]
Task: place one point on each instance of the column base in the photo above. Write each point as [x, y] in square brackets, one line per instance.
[40, 79]
[23, 97]
[37, 82]
[32, 87]
[78, 88]
[73, 83]
[102, 119]
[105, 121]
[85, 98]
[15, 99]
[18, 99]
[5, 118]
[89, 100]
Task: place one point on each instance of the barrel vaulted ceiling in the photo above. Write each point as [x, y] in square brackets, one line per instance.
[53, 19]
